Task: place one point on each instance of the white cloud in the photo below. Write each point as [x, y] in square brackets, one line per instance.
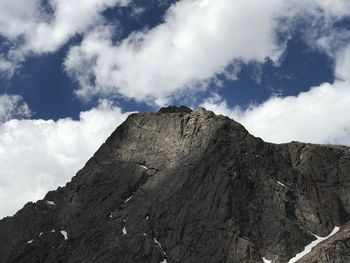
[320, 31]
[32, 29]
[45, 153]
[319, 115]
[338, 8]
[7, 67]
[18, 17]
[197, 40]
[12, 106]
[342, 69]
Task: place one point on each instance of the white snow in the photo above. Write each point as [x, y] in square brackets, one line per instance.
[314, 243]
[159, 245]
[65, 235]
[41, 233]
[164, 261]
[157, 242]
[127, 200]
[53, 230]
[147, 217]
[266, 260]
[281, 184]
[111, 215]
[144, 167]
[30, 241]
[145, 234]
[124, 231]
[50, 202]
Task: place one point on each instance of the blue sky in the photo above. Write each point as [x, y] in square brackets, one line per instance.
[71, 71]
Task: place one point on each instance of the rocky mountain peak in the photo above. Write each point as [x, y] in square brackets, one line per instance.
[187, 186]
[175, 109]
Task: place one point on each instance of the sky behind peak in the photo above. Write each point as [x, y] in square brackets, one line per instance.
[281, 68]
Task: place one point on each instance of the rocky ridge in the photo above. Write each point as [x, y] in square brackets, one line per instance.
[190, 186]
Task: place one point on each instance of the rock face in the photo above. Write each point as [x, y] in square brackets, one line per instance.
[189, 186]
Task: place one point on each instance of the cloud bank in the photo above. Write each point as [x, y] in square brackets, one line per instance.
[45, 154]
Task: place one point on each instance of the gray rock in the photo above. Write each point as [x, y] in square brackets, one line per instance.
[189, 186]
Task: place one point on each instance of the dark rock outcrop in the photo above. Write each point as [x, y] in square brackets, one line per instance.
[189, 186]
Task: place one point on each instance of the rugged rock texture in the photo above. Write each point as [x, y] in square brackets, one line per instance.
[183, 186]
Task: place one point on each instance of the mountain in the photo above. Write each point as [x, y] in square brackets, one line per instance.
[190, 186]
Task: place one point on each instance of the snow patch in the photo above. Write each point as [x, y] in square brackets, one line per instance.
[30, 241]
[111, 215]
[266, 260]
[157, 242]
[159, 245]
[41, 233]
[144, 167]
[124, 231]
[314, 243]
[64, 234]
[53, 230]
[50, 203]
[127, 200]
[147, 218]
[164, 261]
[281, 184]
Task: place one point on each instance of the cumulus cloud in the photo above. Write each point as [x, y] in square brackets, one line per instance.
[45, 154]
[319, 115]
[12, 106]
[36, 26]
[198, 40]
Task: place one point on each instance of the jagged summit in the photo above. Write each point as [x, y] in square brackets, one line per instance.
[175, 109]
[190, 186]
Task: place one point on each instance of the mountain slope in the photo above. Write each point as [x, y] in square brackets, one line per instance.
[183, 186]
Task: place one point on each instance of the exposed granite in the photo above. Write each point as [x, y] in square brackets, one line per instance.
[189, 186]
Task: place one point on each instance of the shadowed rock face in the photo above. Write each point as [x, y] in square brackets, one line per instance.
[189, 186]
